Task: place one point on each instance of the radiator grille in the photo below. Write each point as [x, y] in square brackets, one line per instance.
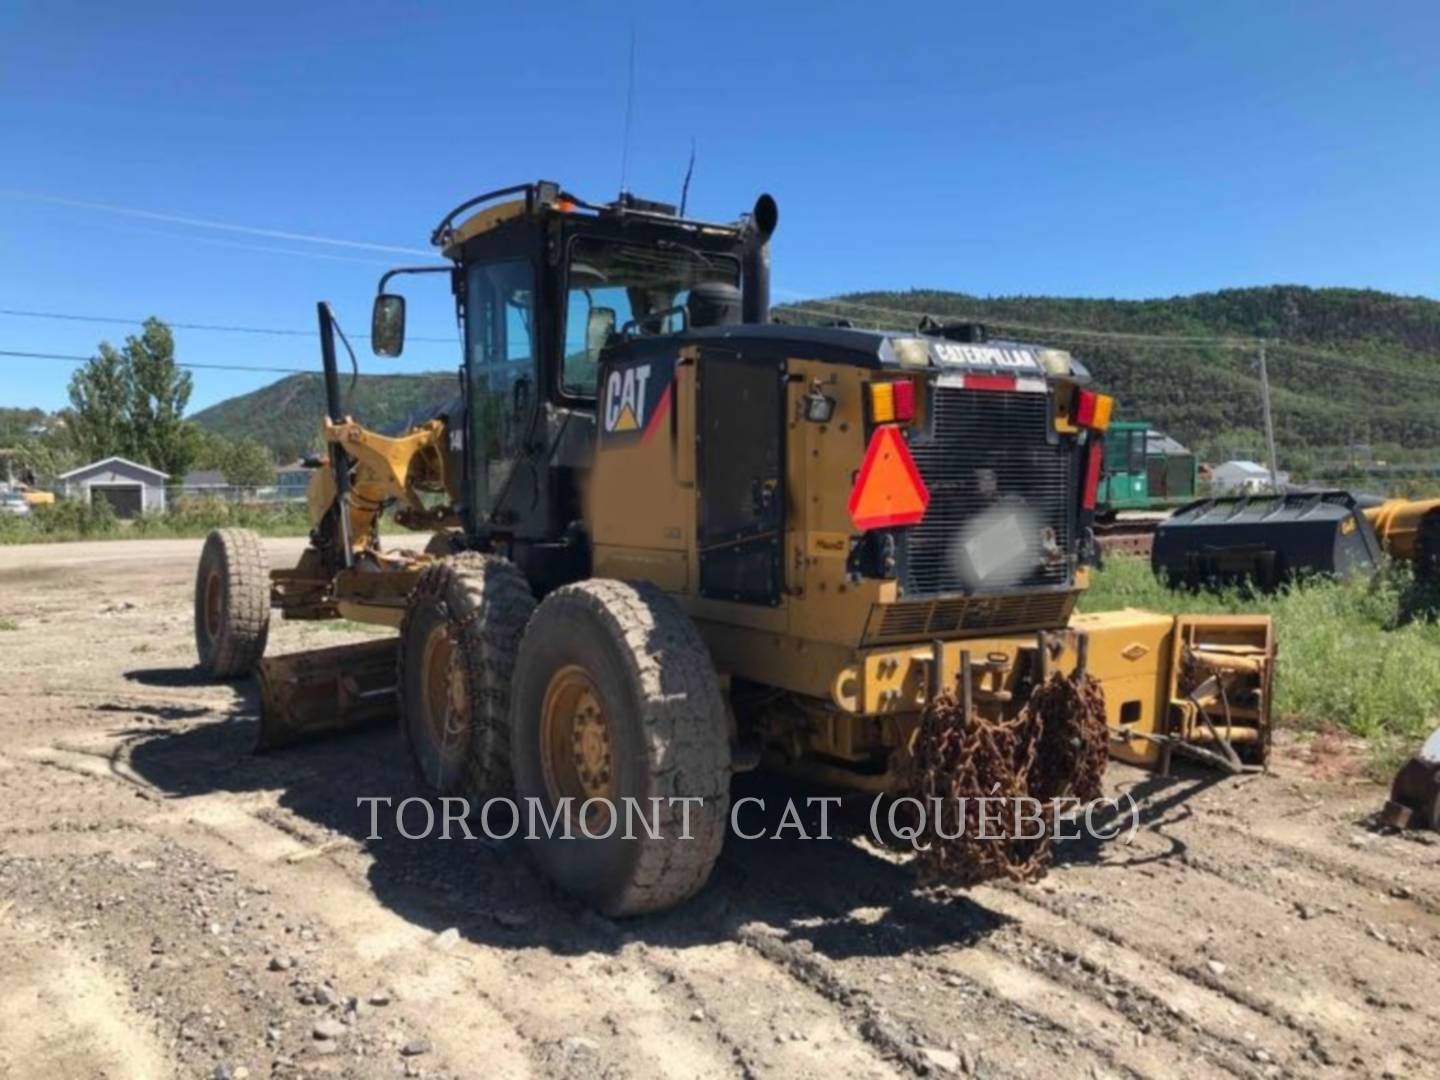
[987, 450]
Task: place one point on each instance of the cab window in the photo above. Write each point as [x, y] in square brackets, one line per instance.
[499, 355]
[611, 284]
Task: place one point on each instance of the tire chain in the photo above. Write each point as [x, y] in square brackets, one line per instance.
[433, 586]
[1054, 748]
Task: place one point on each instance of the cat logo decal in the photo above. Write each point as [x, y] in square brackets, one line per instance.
[636, 397]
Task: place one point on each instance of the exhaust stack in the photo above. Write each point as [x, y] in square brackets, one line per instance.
[755, 265]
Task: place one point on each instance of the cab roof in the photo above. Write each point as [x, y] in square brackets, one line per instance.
[545, 197]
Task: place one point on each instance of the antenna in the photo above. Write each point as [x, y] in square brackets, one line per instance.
[689, 172]
[629, 111]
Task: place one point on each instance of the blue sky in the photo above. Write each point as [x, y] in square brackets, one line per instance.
[1103, 149]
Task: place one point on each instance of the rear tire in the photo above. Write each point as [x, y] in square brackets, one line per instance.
[232, 603]
[457, 653]
[615, 696]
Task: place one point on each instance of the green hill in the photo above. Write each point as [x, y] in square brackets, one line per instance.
[1346, 365]
[285, 415]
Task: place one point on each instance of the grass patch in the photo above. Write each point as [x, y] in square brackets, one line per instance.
[1359, 655]
[9, 624]
[71, 520]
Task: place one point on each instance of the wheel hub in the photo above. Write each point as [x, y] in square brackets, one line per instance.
[590, 735]
[214, 604]
[576, 756]
[446, 699]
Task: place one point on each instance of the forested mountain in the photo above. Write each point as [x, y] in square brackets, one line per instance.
[1347, 367]
[286, 415]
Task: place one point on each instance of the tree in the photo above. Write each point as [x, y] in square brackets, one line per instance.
[244, 462]
[159, 392]
[42, 461]
[131, 402]
[212, 450]
[16, 424]
[100, 401]
[248, 464]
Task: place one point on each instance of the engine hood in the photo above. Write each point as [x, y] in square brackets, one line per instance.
[885, 349]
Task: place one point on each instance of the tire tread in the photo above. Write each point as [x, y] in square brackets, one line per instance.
[682, 713]
[488, 603]
[245, 572]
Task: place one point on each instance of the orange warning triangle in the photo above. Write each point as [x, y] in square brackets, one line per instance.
[626, 420]
[888, 491]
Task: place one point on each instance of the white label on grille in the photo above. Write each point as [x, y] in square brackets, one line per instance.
[985, 356]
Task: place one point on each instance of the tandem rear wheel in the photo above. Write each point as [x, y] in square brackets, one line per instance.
[615, 699]
[458, 642]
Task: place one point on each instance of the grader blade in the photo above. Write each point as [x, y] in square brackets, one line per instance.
[326, 691]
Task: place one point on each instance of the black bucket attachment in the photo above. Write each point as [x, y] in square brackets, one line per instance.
[1265, 540]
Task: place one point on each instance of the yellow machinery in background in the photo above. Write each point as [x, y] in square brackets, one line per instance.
[34, 496]
[1409, 530]
[679, 540]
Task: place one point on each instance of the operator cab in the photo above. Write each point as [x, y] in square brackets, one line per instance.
[544, 284]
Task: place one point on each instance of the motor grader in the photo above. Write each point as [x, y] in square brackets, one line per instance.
[676, 539]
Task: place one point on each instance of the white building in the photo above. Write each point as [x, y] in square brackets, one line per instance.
[131, 489]
[1244, 478]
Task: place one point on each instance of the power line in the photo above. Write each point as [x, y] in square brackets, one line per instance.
[220, 328]
[241, 245]
[833, 308]
[76, 359]
[205, 223]
[1329, 362]
[1172, 340]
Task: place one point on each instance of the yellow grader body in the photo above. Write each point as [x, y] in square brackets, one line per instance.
[671, 551]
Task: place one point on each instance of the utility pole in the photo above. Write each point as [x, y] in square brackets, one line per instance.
[1269, 421]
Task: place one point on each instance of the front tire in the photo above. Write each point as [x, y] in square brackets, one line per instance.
[615, 698]
[458, 641]
[232, 603]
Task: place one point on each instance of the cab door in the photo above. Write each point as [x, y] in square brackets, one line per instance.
[500, 367]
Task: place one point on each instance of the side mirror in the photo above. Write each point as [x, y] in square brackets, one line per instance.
[387, 325]
[598, 328]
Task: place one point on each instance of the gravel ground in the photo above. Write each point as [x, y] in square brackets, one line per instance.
[171, 904]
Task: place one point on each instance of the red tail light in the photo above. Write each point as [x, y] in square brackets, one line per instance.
[1092, 473]
[905, 400]
[891, 401]
[1093, 410]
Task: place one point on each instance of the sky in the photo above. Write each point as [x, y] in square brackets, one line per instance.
[1125, 149]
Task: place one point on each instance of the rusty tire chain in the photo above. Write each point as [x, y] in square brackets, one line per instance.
[1053, 748]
